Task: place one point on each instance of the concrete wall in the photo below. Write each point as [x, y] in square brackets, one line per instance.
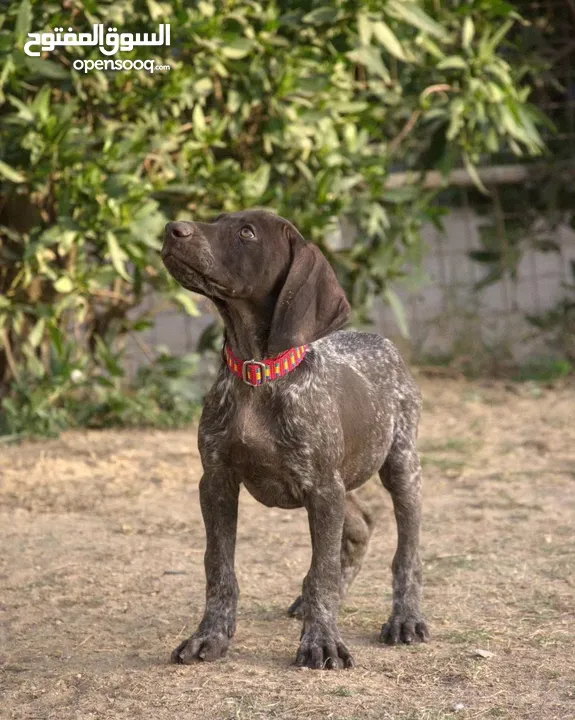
[447, 316]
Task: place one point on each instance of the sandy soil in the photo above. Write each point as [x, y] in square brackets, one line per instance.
[101, 575]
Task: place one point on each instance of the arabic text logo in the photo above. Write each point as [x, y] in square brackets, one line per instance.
[108, 42]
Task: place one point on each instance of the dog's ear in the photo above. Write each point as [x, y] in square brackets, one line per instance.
[311, 302]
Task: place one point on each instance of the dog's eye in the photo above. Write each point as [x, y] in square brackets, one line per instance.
[247, 233]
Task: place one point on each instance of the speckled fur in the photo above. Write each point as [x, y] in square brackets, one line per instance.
[350, 410]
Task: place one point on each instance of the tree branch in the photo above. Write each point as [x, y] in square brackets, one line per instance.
[409, 125]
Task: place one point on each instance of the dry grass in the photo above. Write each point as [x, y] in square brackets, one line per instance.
[101, 575]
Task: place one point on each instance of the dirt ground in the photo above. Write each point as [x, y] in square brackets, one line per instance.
[101, 575]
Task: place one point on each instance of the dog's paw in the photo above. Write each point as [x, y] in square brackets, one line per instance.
[295, 610]
[407, 629]
[204, 646]
[322, 648]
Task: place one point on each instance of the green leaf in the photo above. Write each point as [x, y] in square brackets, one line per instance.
[156, 11]
[33, 363]
[256, 183]
[385, 36]
[494, 92]
[47, 68]
[527, 120]
[473, 174]
[500, 70]
[453, 62]
[457, 109]
[415, 16]
[64, 285]
[108, 359]
[321, 16]
[510, 124]
[305, 171]
[211, 338]
[57, 338]
[206, 8]
[364, 28]
[238, 49]
[467, 33]
[10, 174]
[37, 332]
[431, 47]
[398, 311]
[485, 256]
[493, 276]
[24, 112]
[499, 35]
[492, 140]
[41, 104]
[198, 121]
[204, 86]
[184, 298]
[23, 20]
[371, 58]
[117, 256]
[66, 239]
[7, 70]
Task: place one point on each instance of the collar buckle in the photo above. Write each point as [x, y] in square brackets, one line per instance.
[245, 376]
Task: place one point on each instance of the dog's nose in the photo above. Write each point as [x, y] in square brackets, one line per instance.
[179, 229]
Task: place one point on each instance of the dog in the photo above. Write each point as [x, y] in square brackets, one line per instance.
[301, 413]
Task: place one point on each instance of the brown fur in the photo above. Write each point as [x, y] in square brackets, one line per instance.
[349, 410]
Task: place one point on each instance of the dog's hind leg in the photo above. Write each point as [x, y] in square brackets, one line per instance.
[357, 528]
[401, 476]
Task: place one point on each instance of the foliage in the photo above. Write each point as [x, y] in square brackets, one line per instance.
[520, 218]
[544, 370]
[165, 394]
[305, 107]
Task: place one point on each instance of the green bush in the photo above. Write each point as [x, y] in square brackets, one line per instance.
[305, 107]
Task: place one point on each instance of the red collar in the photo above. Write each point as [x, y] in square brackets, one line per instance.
[257, 372]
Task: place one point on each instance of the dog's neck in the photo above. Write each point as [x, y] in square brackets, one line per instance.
[247, 326]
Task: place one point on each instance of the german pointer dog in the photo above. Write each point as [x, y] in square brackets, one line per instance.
[301, 413]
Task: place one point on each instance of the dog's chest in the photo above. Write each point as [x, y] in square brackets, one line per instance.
[266, 452]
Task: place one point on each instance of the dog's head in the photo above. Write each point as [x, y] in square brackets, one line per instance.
[261, 258]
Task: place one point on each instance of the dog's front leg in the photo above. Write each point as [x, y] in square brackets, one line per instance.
[219, 502]
[321, 645]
